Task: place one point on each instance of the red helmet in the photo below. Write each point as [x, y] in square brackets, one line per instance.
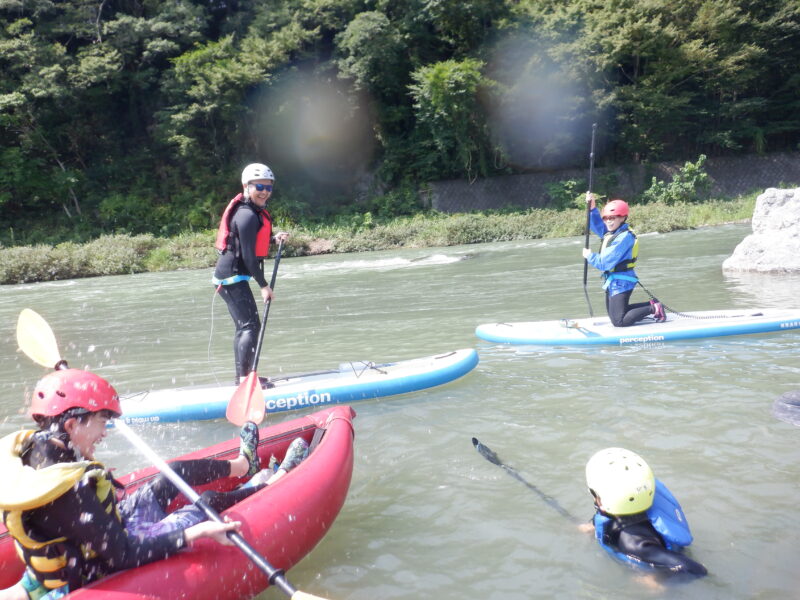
[616, 208]
[72, 388]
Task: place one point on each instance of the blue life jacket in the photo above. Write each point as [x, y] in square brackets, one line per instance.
[665, 515]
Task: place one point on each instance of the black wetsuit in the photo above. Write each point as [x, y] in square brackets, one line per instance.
[635, 537]
[624, 314]
[241, 260]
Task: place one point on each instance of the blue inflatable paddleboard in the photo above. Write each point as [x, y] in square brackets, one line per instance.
[683, 326]
[350, 382]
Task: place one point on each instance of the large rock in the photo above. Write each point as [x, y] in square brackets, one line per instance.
[774, 245]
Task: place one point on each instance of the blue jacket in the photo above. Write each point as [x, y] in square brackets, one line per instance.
[619, 250]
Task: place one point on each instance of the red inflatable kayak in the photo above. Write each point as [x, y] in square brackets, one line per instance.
[283, 522]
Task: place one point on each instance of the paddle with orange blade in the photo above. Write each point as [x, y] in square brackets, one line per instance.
[247, 402]
[36, 339]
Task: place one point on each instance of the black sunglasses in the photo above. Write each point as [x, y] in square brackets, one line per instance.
[260, 187]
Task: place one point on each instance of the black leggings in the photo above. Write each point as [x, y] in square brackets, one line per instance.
[242, 307]
[623, 314]
[198, 472]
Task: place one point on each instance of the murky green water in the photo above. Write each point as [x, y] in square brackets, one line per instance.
[427, 516]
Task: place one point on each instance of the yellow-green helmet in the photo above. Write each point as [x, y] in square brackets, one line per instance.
[621, 480]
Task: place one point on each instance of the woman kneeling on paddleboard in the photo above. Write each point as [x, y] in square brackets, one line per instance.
[61, 505]
[637, 519]
[616, 259]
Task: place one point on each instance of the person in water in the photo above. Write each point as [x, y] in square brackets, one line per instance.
[243, 239]
[60, 504]
[616, 260]
[637, 520]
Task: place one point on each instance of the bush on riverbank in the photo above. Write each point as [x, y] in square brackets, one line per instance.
[125, 254]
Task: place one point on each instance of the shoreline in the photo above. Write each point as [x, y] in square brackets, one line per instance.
[123, 254]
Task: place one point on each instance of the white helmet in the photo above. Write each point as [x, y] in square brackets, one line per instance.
[623, 481]
[256, 171]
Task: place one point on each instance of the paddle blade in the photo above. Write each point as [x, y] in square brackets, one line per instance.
[36, 339]
[487, 452]
[247, 402]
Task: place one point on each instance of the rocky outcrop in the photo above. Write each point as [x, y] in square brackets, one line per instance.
[774, 245]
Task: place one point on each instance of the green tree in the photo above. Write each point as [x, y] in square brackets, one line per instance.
[690, 184]
[79, 80]
[208, 119]
[462, 27]
[371, 53]
[450, 118]
[678, 77]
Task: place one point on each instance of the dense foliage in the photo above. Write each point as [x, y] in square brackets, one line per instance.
[136, 116]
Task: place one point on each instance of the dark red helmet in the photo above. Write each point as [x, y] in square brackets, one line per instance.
[72, 388]
[616, 208]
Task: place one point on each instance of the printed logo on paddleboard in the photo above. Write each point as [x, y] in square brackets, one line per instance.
[641, 339]
[790, 325]
[299, 401]
[141, 420]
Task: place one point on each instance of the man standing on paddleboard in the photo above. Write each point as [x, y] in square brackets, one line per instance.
[243, 240]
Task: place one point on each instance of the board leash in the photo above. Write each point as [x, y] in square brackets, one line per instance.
[686, 315]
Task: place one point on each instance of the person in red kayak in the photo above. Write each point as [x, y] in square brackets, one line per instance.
[616, 260]
[243, 239]
[62, 506]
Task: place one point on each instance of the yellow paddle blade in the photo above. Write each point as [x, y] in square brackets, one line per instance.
[298, 595]
[247, 402]
[36, 339]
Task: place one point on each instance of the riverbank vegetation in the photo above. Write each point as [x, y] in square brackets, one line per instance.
[125, 254]
[137, 117]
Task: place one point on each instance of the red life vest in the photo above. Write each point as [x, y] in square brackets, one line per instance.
[225, 241]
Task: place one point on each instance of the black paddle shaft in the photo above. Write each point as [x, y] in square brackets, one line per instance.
[266, 307]
[588, 212]
[276, 576]
[492, 457]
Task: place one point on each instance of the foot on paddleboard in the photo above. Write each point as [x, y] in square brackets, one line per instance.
[569, 323]
[266, 383]
[248, 447]
[658, 311]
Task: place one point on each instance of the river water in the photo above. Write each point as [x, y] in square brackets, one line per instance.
[427, 516]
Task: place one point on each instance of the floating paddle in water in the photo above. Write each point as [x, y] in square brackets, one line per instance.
[247, 402]
[492, 457]
[36, 339]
